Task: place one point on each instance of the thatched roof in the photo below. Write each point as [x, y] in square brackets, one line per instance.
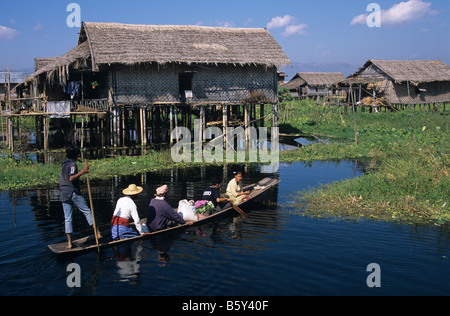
[415, 71]
[114, 43]
[293, 84]
[133, 44]
[314, 79]
[76, 58]
[40, 62]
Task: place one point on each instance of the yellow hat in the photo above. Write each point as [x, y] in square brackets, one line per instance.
[133, 190]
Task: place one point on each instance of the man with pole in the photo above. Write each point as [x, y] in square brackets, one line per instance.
[69, 185]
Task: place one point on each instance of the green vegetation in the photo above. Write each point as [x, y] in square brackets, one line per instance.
[409, 177]
[24, 173]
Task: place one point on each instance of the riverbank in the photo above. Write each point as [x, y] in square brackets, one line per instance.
[409, 168]
[24, 173]
[407, 177]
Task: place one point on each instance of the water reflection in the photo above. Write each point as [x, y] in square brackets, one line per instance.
[128, 263]
[270, 253]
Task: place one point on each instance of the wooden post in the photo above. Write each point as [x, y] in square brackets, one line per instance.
[354, 115]
[175, 111]
[46, 131]
[9, 133]
[82, 132]
[1, 123]
[171, 124]
[412, 123]
[246, 121]
[261, 115]
[202, 121]
[275, 115]
[120, 126]
[143, 127]
[151, 114]
[114, 125]
[224, 124]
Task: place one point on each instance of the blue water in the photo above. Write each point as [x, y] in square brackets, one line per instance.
[272, 253]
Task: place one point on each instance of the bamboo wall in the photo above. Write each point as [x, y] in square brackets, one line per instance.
[143, 104]
[210, 84]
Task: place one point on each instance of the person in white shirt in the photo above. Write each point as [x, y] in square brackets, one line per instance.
[234, 190]
[125, 213]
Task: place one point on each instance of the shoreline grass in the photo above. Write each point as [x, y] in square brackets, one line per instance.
[408, 178]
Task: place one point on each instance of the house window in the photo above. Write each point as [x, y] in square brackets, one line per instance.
[185, 85]
[185, 81]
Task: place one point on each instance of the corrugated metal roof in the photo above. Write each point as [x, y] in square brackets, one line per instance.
[16, 77]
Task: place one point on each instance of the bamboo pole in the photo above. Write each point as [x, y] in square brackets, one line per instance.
[92, 210]
[410, 108]
[354, 115]
[176, 123]
[171, 124]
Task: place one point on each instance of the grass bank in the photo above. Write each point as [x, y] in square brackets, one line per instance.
[409, 170]
[16, 174]
[409, 177]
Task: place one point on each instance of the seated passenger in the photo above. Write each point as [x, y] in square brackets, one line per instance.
[234, 191]
[213, 194]
[160, 214]
[126, 211]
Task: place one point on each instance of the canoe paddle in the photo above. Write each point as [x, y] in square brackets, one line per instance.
[237, 209]
[92, 210]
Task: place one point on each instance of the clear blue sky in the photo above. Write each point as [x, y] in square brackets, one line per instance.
[320, 31]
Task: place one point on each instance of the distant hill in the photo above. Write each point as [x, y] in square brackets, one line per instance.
[28, 71]
[346, 69]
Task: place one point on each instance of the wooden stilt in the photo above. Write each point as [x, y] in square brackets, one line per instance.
[224, 123]
[171, 124]
[246, 125]
[261, 115]
[202, 121]
[275, 115]
[176, 123]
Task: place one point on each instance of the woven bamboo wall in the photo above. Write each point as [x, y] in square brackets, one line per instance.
[144, 85]
[434, 92]
[233, 84]
[229, 84]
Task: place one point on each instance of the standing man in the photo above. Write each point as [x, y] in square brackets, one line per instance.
[69, 185]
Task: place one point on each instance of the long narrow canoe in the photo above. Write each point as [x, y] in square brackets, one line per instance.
[88, 243]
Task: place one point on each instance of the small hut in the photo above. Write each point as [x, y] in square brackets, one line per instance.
[314, 84]
[8, 81]
[150, 73]
[401, 82]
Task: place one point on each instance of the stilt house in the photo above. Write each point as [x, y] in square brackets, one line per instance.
[402, 81]
[314, 84]
[160, 71]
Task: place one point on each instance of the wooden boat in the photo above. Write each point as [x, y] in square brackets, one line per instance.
[89, 244]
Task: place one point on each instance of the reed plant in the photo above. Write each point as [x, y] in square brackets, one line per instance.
[407, 177]
[409, 170]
